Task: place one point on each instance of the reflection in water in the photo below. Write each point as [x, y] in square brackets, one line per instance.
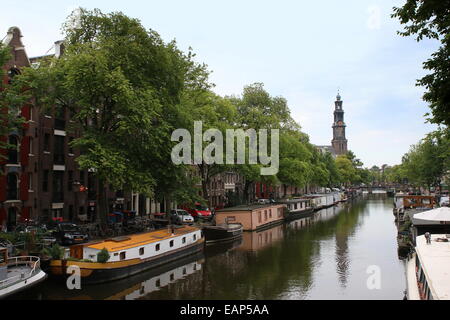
[324, 256]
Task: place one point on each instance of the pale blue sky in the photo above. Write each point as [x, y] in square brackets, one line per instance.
[302, 50]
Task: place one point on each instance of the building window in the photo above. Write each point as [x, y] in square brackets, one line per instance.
[270, 213]
[58, 156]
[12, 73]
[171, 243]
[30, 145]
[158, 283]
[157, 247]
[12, 186]
[82, 177]
[259, 217]
[123, 255]
[30, 181]
[45, 181]
[141, 251]
[58, 191]
[183, 240]
[47, 142]
[13, 150]
[195, 237]
[60, 122]
[172, 277]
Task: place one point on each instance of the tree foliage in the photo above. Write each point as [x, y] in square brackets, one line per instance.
[431, 19]
[123, 86]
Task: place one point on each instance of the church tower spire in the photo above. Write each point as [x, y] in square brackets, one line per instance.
[339, 142]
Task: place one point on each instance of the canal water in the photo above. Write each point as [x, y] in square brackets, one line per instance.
[344, 252]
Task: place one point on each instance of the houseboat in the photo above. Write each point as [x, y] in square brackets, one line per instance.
[297, 208]
[18, 273]
[252, 217]
[427, 269]
[222, 232]
[322, 201]
[403, 203]
[129, 255]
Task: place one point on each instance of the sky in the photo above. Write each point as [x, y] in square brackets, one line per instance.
[302, 50]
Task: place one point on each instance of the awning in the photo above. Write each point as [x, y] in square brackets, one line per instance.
[433, 216]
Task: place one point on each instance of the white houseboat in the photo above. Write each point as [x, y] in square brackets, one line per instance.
[427, 272]
[18, 273]
[297, 208]
[129, 255]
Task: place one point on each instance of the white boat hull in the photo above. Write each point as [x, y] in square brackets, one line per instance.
[411, 279]
[23, 284]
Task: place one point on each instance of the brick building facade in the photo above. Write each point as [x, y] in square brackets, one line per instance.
[42, 180]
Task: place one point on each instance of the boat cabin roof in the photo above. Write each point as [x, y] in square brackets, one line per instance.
[128, 242]
[284, 201]
[250, 207]
[435, 261]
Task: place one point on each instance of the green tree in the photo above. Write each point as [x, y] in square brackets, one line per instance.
[431, 19]
[257, 109]
[122, 84]
[346, 170]
[423, 164]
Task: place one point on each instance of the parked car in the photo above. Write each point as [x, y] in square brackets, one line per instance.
[200, 212]
[180, 216]
[266, 201]
[68, 233]
[41, 231]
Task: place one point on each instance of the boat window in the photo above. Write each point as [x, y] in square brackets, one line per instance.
[171, 243]
[184, 240]
[141, 251]
[123, 255]
[157, 247]
[3, 257]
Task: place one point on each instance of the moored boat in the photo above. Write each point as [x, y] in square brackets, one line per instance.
[222, 232]
[297, 208]
[18, 273]
[427, 269]
[129, 255]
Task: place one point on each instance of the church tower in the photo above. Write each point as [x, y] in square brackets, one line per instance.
[339, 142]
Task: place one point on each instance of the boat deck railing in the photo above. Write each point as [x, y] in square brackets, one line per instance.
[32, 262]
